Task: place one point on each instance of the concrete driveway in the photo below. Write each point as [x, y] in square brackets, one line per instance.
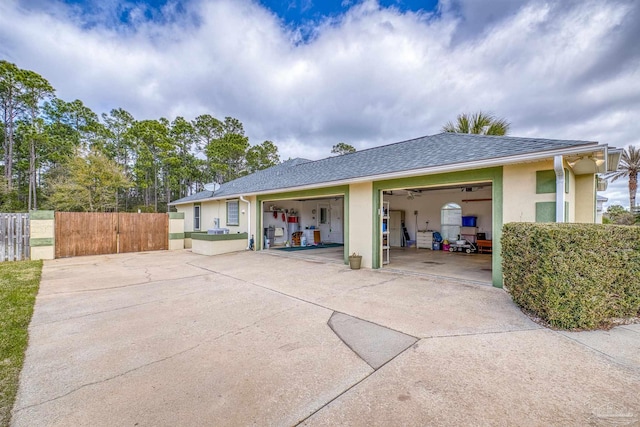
[173, 338]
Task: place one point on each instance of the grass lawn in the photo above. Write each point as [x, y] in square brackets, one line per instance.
[19, 282]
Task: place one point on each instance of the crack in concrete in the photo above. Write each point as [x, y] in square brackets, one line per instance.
[470, 334]
[607, 356]
[384, 282]
[107, 379]
[147, 282]
[154, 362]
[348, 389]
[115, 309]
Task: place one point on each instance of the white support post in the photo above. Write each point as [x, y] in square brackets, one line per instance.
[558, 167]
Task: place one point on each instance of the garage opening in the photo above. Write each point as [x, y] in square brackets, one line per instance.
[311, 225]
[444, 231]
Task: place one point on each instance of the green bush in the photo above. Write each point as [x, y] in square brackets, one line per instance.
[573, 275]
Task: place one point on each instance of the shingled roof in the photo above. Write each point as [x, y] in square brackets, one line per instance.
[444, 149]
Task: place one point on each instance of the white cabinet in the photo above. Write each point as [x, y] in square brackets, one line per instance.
[424, 239]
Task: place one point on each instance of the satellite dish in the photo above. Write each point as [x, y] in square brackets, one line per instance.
[212, 186]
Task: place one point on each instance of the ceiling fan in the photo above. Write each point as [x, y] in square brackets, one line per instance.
[412, 194]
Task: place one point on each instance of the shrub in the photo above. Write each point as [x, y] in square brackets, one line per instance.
[573, 275]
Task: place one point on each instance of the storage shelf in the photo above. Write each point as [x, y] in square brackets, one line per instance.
[384, 225]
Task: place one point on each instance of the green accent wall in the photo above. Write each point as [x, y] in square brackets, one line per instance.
[216, 237]
[316, 193]
[41, 215]
[477, 175]
[545, 182]
[176, 236]
[546, 212]
[41, 241]
[176, 215]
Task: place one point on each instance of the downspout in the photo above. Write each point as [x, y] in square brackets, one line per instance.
[558, 167]
[248, 221]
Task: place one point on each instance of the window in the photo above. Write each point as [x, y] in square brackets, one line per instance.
[323, 216]
[233, 211]
[196, 217]
[451, 221]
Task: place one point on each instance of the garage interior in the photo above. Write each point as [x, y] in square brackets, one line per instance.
[311, 223]
[461, 215]
[414, 214]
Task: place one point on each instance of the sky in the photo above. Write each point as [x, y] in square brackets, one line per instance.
[308, 74]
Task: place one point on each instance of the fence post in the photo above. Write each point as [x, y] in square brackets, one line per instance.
[42, 234]
[176, 230]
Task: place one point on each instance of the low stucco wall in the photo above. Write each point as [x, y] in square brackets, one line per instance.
[42, 235]
[216, 244]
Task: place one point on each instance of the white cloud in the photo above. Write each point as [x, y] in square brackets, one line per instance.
[558, 69]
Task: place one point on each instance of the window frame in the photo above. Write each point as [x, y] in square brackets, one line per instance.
[450, 206]
[197, 218]
[229, 203]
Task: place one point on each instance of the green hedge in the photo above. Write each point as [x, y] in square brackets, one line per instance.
[573, 275]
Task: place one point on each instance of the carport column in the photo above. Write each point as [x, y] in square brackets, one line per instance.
[42, 235]
[176, 230]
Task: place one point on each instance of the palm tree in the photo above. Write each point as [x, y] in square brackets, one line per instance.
[629, 166]
[478, 123]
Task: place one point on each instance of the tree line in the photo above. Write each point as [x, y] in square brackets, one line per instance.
[61, 155]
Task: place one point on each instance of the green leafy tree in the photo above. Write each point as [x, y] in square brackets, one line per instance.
[226, 154]
[478, 123]
[617, 214]
[91, 185]
[119, 146]
[342, 148]
[183, 164]
[36, 90]
[262, 156]
[207, 129]
[628, 167]
[153, 146]
[11, 104]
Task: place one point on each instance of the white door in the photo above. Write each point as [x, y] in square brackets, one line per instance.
[335, 231]
[395, 228]
[324, 221]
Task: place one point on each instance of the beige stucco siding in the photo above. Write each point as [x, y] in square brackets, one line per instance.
[211, 210]
[188, 216]
[361, 221]
[519, 191]
[585, 198]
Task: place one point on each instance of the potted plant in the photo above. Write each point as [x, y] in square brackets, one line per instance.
[355, 261]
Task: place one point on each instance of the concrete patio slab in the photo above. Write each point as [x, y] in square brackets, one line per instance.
[375, 344]
[526, 378]
[621, 344]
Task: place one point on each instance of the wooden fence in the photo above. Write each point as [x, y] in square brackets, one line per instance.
[82, 233]
[14, 236]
